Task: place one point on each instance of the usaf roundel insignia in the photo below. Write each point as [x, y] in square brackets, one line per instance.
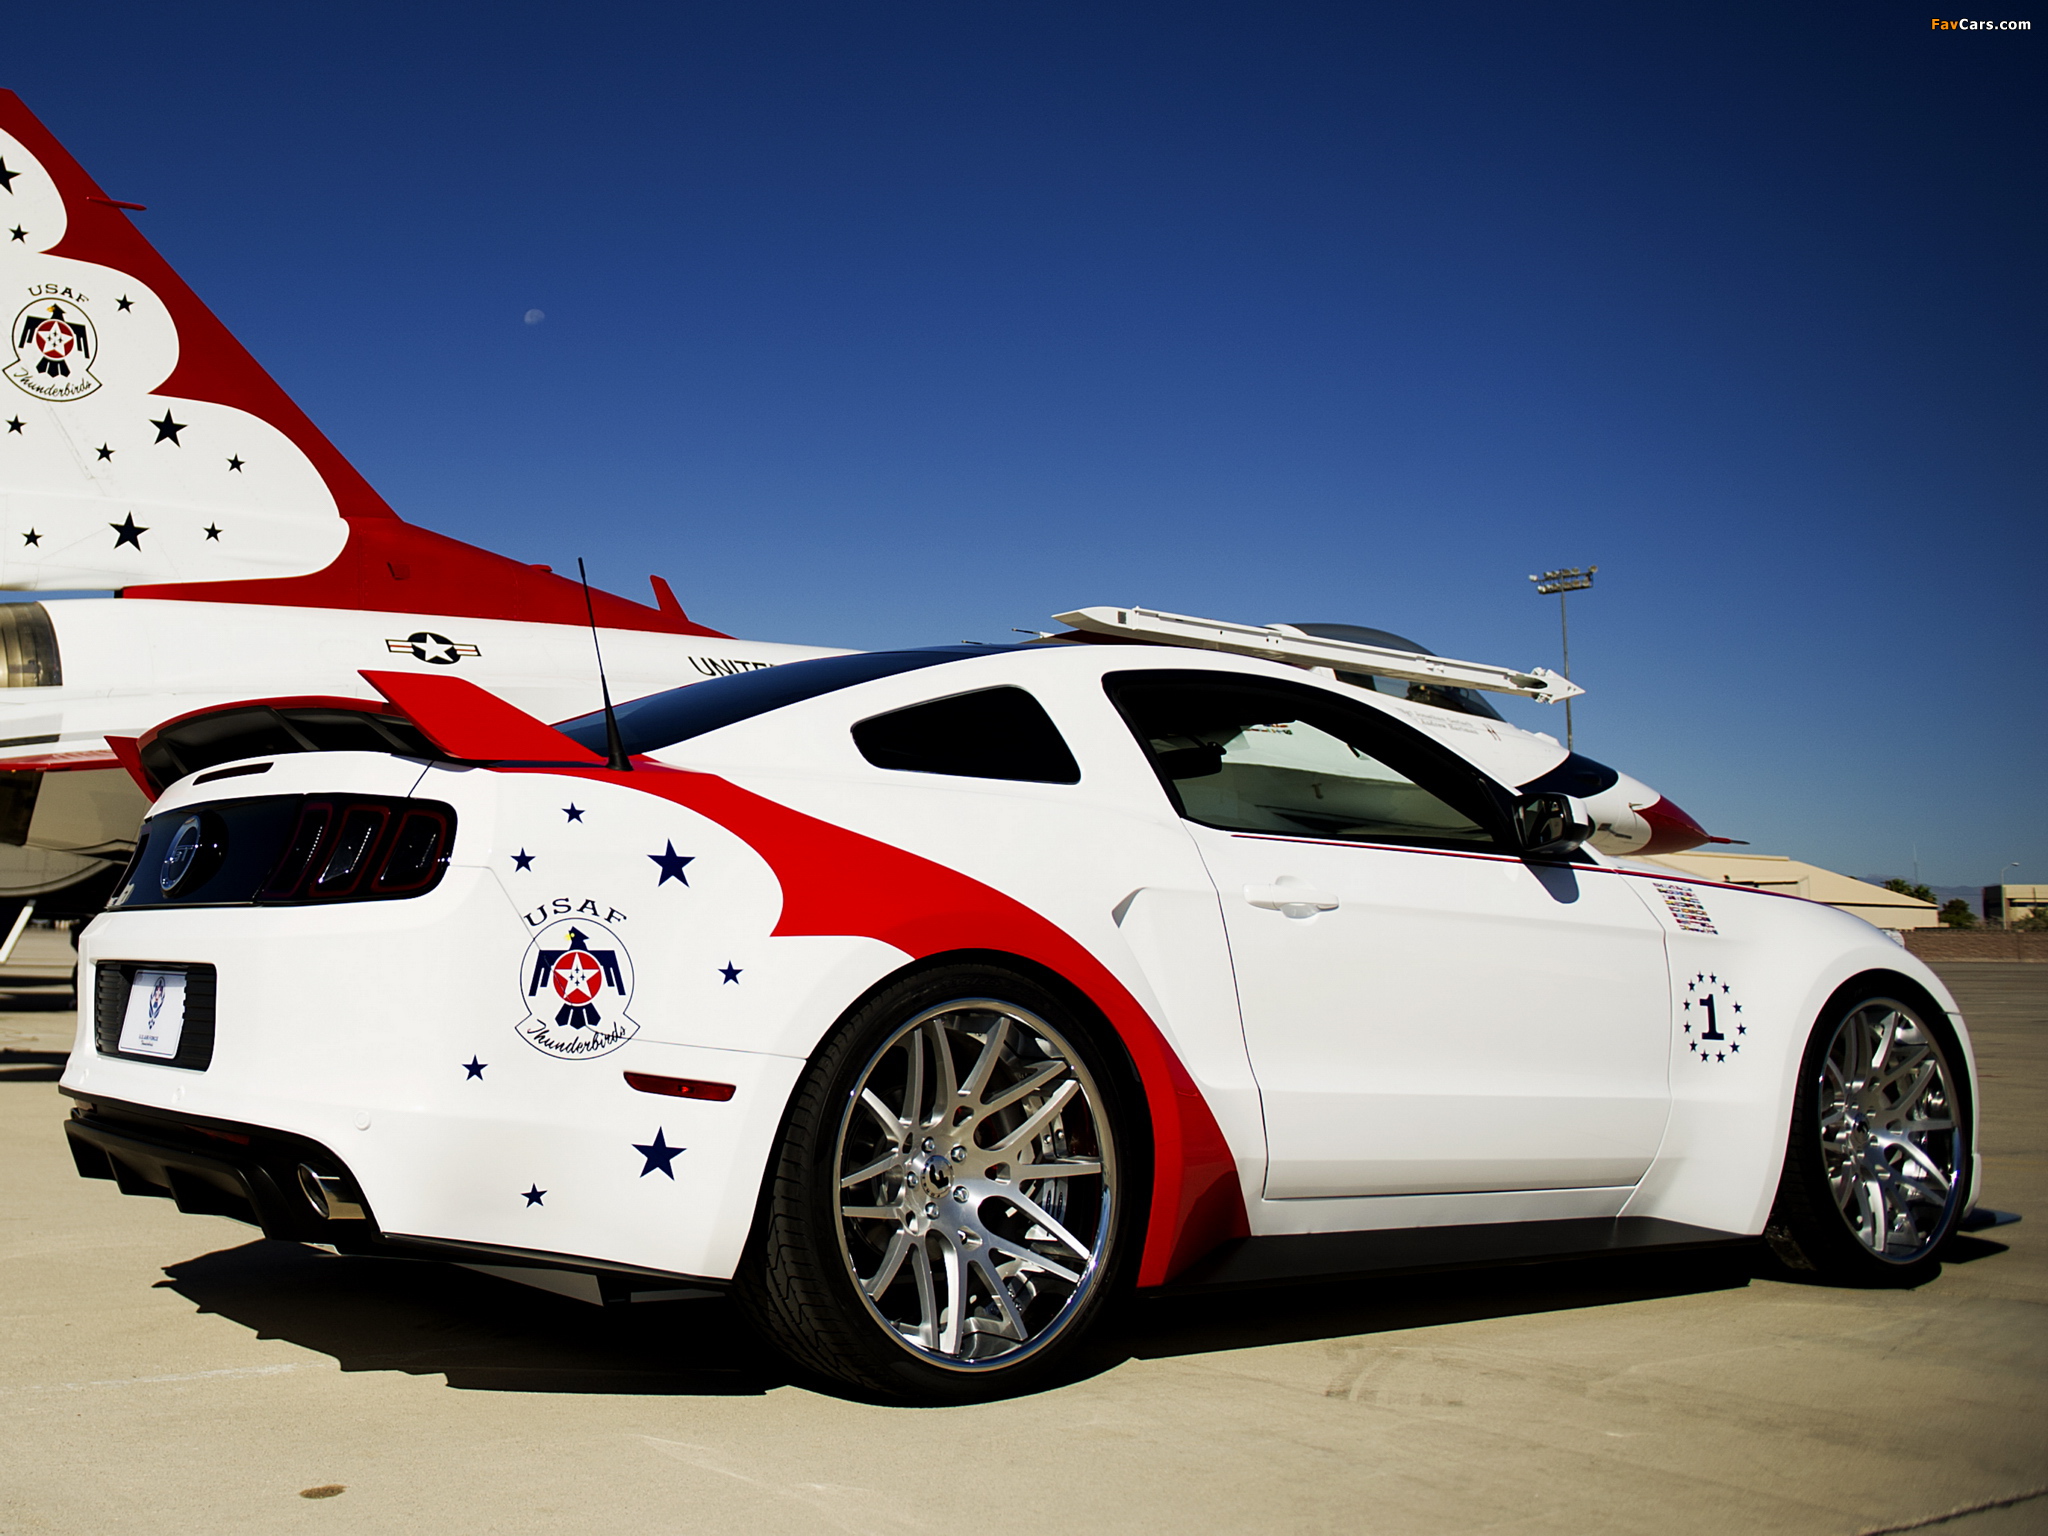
[577, 981]
[54, 349]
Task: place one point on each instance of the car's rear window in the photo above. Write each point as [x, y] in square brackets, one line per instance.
[663, 719]
[994, 733]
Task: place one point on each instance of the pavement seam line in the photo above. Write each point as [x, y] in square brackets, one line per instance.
[1956, 1514]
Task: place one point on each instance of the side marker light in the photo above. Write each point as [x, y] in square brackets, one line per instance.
[680, 1087]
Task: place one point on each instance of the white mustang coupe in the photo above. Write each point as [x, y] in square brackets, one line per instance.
[928, 999]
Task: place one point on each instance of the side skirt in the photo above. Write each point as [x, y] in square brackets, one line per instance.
[1330, 1255]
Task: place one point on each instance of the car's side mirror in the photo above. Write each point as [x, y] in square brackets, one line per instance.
[1551, 826]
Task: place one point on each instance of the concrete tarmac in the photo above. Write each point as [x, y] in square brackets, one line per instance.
[167, 1374]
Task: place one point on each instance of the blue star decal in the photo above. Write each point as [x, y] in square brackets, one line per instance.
[533, 1194]
[474, 1067]
[522, 860]
[659, 1154]
[729, 971]
[573, 812]
[672, 864]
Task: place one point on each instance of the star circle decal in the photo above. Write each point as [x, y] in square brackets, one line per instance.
[1712, 1021]
[124, 304]
[15, 423]
[127, 532]
[168, 429]
[474, 1068]
[533, 1194]
[235, 463]
[522, 860]
[31, 537]
[573, 812]
[212, 533]
[104, 451]
[730, 971]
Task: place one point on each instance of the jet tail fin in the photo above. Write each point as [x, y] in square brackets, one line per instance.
[142, 447]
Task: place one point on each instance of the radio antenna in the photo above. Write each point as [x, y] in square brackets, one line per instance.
[619, 763]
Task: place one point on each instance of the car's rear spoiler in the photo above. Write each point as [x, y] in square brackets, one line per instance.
[439, 718]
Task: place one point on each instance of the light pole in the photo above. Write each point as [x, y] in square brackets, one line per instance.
[1571, 579]
[2004, 906]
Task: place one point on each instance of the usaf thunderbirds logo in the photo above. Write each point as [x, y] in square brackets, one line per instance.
[577, 979]
[54, 348]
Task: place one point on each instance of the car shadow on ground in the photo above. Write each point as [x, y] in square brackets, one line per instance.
[1201, 1322]
[481, 1333]
[491, 1335]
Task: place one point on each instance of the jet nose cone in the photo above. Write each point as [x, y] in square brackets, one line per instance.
[1671, 830]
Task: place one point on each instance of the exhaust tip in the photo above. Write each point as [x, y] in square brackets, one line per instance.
[329, 1195]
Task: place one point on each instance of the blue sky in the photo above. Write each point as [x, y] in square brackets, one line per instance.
[879, 322]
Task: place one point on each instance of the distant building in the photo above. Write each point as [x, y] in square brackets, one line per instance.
[1775, 872]
[2005, 905]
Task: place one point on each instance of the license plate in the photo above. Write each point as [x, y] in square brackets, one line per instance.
[155, 1021]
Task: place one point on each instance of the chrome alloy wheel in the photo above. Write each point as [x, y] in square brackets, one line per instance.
[1890, 1144]
[976, 1184]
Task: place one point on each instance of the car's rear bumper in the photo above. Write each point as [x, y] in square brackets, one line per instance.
[249, 1173]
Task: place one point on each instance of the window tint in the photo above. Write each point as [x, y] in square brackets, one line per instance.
[998, 733]
[663, 719]
[1270, 757]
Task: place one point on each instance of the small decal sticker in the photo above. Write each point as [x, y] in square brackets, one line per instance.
[659, 1154]
[578, 982]
[1715, 1028]
[1687, 910]
[54, 348]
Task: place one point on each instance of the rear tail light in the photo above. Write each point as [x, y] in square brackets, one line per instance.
[293, 849]
[348, 860]
[417, 854]
[359, 850]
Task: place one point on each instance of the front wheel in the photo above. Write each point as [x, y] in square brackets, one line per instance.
[949, 1207]
[1878, 1163]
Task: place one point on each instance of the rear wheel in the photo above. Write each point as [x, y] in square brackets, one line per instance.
[948, 1210]
[1877, 1165]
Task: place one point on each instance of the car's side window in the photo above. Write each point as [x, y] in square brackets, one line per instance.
[997, 733]
[1255, 756]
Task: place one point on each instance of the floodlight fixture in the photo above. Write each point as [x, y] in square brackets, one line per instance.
[1570, 579]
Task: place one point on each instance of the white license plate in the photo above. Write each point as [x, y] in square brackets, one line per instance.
[155, 1021]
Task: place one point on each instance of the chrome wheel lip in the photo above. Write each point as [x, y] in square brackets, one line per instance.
[937, 1162]
[1892, 1131]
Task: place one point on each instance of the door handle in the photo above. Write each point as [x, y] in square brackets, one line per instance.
[1292, 898]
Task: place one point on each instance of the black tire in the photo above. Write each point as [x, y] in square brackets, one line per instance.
[942, 1196]
[1839, 1215]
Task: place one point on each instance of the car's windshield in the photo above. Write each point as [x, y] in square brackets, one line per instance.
[663, 719]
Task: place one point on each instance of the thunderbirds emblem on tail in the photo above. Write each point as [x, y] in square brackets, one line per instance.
[54, 347]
